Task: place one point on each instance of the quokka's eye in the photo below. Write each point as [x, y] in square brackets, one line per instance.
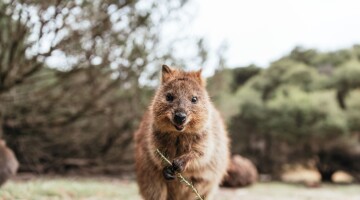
[194, 99]
[169, 97]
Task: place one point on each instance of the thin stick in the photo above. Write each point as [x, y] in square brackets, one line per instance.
[182, 179]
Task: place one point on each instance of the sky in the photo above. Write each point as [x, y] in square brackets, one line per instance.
[261, 31]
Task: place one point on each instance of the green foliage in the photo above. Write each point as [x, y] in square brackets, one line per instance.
[242, 74]
[353, 111]
[297, 108]
[293, 95]
[298, 115]
[316, 59]
[347, 76]
[224, 84]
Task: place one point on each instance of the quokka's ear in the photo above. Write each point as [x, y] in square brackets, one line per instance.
[199, 78]
[166, 73]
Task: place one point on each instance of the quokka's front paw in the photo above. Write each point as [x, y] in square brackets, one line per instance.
[169, 173]
[178, 165]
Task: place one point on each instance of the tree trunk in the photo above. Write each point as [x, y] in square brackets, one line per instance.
[340, 95]
[326, 175]
[1, 121]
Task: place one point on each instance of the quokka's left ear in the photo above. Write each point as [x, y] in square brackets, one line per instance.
[166, 73]
[199, 78]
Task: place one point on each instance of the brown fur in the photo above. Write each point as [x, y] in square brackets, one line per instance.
[200, 150]
[241, 172]
[8, 163]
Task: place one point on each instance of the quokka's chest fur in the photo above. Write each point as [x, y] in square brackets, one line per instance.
[174, 146]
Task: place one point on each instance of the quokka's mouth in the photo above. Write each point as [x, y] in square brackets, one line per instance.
[179, 127]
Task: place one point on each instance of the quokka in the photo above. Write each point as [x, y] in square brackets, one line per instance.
[8, 163]
[184, 125]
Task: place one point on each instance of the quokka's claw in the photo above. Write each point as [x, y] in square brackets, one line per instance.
[169, 173]
[178, 165]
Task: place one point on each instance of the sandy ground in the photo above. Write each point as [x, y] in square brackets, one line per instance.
[98, 188]
[282, 191]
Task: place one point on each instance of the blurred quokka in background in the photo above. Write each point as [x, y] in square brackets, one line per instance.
[8, 163]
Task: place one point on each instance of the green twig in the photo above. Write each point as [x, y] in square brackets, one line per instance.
[181, 178]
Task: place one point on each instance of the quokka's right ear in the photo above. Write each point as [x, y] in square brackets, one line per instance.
[166, 73]
[199, 78]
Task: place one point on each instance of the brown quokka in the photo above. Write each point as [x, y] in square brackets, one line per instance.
[241, 173]
[184, 125]
[8, 163]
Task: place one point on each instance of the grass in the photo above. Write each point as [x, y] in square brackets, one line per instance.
[282, 191]
[111, 188]
[69, 188]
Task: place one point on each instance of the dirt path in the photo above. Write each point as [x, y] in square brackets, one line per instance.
[111, 188]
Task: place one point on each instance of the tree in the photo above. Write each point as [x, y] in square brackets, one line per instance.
[346, 78]
[293, 112]
[70, 78]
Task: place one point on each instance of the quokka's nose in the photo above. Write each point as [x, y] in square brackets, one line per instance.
[179, 118]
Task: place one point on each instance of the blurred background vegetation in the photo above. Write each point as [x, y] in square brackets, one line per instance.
[302, 109]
